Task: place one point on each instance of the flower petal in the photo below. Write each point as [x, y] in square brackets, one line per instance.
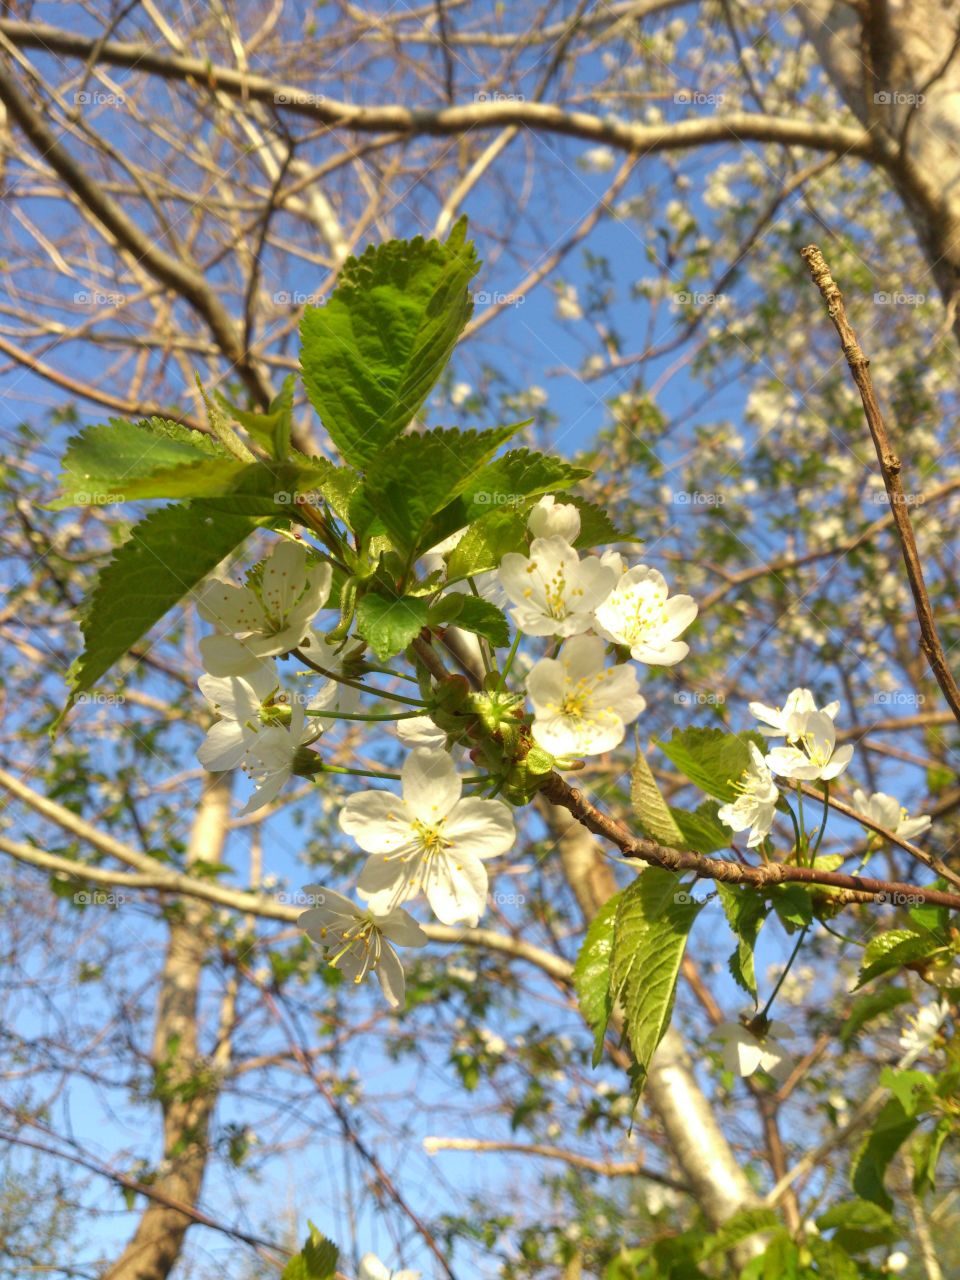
[480, 828]
[377, 820]
[431, 784]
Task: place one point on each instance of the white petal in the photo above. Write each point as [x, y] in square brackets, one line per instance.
[550, 518]
[284, 578]
[420, 731]
[377, 820]
[389, 970]
[385, 884]
[456, 888]
[546, 684]
[224, 746]
[582, 657]
[481, 828]
[431, 784]
[230, 607]
[228, 656]
[401, 928]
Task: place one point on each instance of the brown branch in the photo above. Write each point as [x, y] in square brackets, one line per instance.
[890, 466]
[605, 1168]
[852, 888]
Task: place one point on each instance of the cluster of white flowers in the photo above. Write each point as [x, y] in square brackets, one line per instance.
[431, 840]
[810, 754]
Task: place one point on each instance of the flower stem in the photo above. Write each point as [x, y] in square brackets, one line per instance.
[357, 684]
[358, 715]
[358, 773]
[765, 1012]
[509, 662]
[823, 821]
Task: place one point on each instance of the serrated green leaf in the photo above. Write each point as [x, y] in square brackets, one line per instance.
[746, 911]
[858, 1225]
[702, 830]
[793, 903]
[415, 477]
[865, 1008]
[891, 1129]
[317, 1260]
[374, 351]
[510, 481]
[271, 430]
[103, 463]
[390, 623]
[914, 1090]
[596, 527]
[483, 619]
[166, 556]
[486, 542]
[711, 758]
[893, 949]
[591, 974]
[649, 807]
[653, 920]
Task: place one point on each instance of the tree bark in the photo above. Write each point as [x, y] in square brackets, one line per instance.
[186, 1083]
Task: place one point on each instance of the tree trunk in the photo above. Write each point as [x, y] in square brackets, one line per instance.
[186, 1084]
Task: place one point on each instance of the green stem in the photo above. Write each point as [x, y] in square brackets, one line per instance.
[385, 671]
[358, 715]
[796, 828]
[823, 821]
[802, 848]
[765, 1012]
[509, 662]
[357, 684]
[359, 773]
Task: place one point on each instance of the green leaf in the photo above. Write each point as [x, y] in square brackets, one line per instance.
[317, 1260]
[746, 911]
[711, 758]
[509, 482]
[649, 807]
[591, 973]
[793, 903]
[892, 950]
[390, 623]
[270, 430]
[914, 1090]
[890, 1130]
[103, 463]
[486, 542]
[702, 830]
[374, 351]
[483, 619]
[653, 920]
[415, 477]
[926, 1155]
[165, 557]
[596, 527]
[865, 1008]
[858, 1225]
[741, 1226]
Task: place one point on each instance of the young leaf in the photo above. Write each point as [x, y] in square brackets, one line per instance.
[702, 830]
[653, 921]
[417, 476]
[165, 557]
[858, 1225]
[711, 758]
[270, 430]
[509, 481]
[390, 623]
[317, 1260]
[486, 542]
[591, 974]
[649, 807]
[103, 462]
[892, 950]
[373, 352]
[746, 911]
[483, 619]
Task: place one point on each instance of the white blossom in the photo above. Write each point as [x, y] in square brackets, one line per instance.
[817, 756]
[887, 812]
[421, 731]
[430, 839]
[356, 940]
[744, 1051]
[240, 701]
[552, 519]
[788, 721]
[756, 801]
[640, 613]
[579, 706]
[371, 1268]
[269, 616]
[555, 592]
[921, 1028]
[896, 1262]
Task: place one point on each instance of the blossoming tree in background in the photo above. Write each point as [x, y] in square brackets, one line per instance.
[451, 594]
